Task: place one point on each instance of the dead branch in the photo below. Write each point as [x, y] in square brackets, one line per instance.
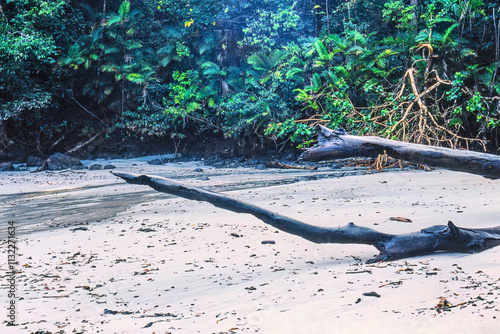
[274, 164]
[81, 145]
[437, 238]
[339, 145]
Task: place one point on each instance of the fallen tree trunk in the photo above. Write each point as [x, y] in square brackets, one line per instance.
[448, 238]
[339, 145]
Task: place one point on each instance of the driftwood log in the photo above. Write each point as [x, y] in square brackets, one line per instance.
[449, 238]
[336, 144]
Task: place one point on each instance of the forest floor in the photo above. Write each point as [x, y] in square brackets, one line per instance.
[97, 255]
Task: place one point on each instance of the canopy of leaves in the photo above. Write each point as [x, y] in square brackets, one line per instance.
[421, 71]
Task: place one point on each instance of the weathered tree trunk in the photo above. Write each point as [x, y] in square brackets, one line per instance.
[437, 238]
[339, 145]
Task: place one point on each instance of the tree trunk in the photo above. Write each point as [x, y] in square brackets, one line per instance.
[339, 145]
[437, 238]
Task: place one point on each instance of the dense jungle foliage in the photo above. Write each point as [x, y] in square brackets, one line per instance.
[420, 71]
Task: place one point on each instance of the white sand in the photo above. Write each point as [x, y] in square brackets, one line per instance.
[190, 275]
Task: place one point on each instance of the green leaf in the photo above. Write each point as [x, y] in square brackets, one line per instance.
[331, 77]
[338, 42]
[321, 49]
[448, 31]
[342, 71]
[387, 53]
[131, 45]
[113, 20]
[135, 78]
[258, 62]
[316, 82]
[295, 74]
[422, 36]
[456, 121]
[466, 52]
[124, 8]
[356, 50]
[112, 50]
[210, 68]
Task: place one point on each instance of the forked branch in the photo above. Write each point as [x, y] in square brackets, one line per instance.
[437, 238]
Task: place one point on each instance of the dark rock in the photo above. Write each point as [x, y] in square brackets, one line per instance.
[198, 170]
[147, 229]
[219, 164]
[95, 167]
[371, 294]
[172, 157]
[33, 161]
[60, 161]
[6, 167]
[154, 162]
[109, 167]
[79, 229]
[268, 242]
[232, 165]
[80, 167]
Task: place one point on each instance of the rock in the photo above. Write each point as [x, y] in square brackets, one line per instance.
[218, 164]
[80, 167]
[232, 164]
[79, 229]
[371, 294]
[95, 167]
[268, 242]
[6, 167]
[170, 158]
[198, 170]
[33, 161]
[60, 161]
[154, 162]
[147, 229]
[109, 167]
[203, 178]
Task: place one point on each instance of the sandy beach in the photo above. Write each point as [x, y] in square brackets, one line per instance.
[97, 255]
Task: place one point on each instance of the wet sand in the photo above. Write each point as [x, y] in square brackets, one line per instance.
[144, 262]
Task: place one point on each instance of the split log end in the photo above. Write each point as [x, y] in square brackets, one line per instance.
[131, 178]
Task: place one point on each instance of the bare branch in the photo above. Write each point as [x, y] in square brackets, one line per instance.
[338, 145]
[441, 237]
